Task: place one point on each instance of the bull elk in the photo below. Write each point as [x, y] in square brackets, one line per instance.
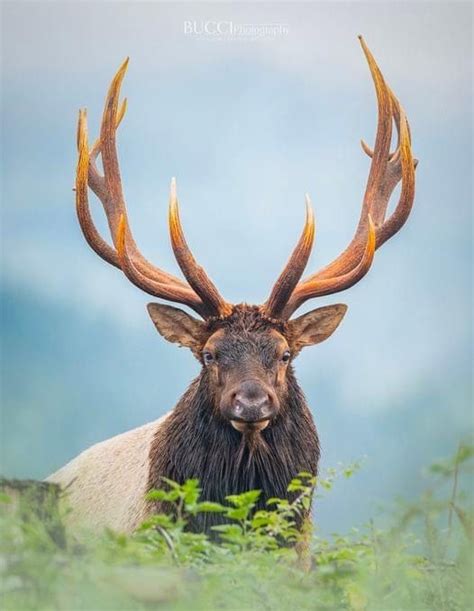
[243, 423]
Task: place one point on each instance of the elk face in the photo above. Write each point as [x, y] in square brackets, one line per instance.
[248, 374]
[246, 357]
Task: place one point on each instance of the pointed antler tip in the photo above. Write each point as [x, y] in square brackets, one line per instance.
[173, 195]
[366, 50]
[119, 76]
[366, 148]
[309, 209]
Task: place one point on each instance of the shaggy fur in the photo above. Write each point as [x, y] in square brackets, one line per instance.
[195, 442]
[107, 483]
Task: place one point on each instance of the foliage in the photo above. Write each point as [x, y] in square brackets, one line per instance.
[421, 561]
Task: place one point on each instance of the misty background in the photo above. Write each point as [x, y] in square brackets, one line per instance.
[247, 126]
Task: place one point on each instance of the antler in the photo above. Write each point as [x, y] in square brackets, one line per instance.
[373, 230]
[199, 293]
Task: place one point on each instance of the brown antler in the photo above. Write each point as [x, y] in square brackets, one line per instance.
[386, 171]
[200, 294]
[293, 270]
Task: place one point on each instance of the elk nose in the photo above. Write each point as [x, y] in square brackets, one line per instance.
[251, 402]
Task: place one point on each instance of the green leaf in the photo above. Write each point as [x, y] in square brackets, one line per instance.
[158, 495]
[171, 483]
[275, 500]
[245, 499]
[191, 491]
[262, 518]
[158, 519]
[464, 453]
[296, 486]
[210, 507]
[306, 474]
[237, 513]
[441, 469]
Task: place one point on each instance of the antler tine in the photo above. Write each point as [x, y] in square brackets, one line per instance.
[96, 181]
[402, 211]
[380, 156]
[395, 156]
[194, 273]
[328, 286]
[114, 204]
[295, 267]
[203, 299]
[109, 187]
[152, 287]
[386, 171]
[378, 192]
[94, 239]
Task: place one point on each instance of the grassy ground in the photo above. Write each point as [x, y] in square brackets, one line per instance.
[422, 560]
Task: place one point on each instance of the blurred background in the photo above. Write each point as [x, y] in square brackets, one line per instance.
[248, 124]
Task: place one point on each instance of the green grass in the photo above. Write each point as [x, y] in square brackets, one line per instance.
[421, 560]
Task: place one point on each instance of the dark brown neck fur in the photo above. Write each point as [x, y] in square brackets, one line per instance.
[194, 443]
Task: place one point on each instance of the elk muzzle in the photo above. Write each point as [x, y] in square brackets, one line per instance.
[250, 405]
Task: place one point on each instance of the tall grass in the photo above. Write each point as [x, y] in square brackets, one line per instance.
[422, 560]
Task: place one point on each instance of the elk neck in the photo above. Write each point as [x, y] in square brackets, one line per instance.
[194, 443]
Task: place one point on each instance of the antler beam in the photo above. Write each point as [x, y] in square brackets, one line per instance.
[200, 294]
[373, 230]
[289, 292]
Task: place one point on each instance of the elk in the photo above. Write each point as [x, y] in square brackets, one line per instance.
[243, 423]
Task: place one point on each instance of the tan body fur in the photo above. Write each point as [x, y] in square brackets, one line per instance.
[106, 484]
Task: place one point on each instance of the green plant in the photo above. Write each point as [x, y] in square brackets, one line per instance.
[421, 561]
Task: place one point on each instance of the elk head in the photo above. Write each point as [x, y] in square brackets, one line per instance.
[246, 351]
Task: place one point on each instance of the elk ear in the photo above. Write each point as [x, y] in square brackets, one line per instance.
[315, 326]
[178, 327]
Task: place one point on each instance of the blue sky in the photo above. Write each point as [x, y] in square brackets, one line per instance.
[247, 126]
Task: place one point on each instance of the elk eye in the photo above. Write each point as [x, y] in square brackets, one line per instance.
[286, 356]
[207, 358]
